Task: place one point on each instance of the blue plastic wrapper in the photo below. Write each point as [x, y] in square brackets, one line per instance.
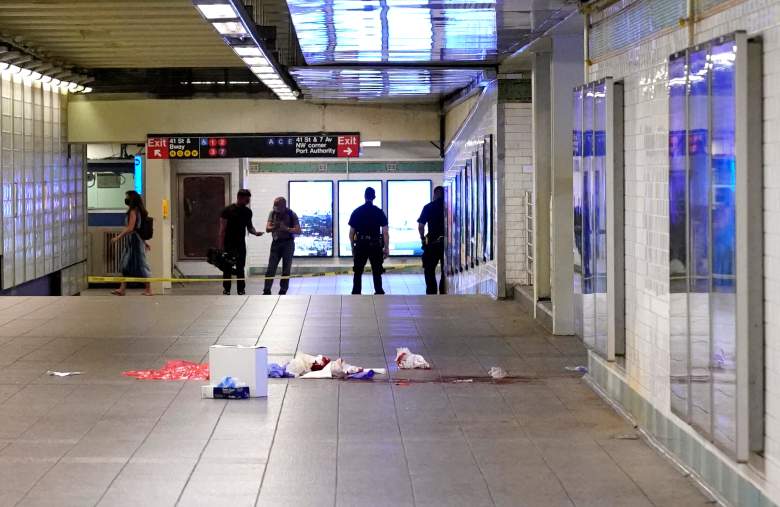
[231, 393]
[362, 375]
[278, 371]
[227, 382]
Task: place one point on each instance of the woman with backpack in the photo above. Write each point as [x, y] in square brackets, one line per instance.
[133, 262]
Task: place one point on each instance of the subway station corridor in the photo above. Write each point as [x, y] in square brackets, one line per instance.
[594, 185]
[541, 437]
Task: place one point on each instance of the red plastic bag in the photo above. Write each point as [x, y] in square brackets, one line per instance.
[173, 370]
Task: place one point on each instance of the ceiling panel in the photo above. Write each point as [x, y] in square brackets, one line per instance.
[398, 31]
[376, 83]
[116, 33]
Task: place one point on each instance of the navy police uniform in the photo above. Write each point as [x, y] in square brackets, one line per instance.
[433, 244]
[367, 220]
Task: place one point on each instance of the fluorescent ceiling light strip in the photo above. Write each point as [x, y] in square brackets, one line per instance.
[248, 51]
[230, 28]
[256, 61]
[217, 10]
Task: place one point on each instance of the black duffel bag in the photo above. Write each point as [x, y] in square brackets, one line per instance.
[223, 261]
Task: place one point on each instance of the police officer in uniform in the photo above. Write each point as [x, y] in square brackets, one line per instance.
[370, 239]
[234, 222]
[433, 242]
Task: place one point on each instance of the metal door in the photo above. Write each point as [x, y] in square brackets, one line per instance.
[201, 199]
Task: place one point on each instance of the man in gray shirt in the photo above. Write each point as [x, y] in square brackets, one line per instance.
[283, 225]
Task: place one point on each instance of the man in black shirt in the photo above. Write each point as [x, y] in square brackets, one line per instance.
[433, 242]
[282, 224]
[370, 242]
[234, 222]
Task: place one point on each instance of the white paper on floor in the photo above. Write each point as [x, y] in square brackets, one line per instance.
[406, 360]
[310, 366]
[62, 373]
[497, 372]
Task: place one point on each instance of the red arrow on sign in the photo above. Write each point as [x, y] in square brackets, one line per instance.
[347, 145]
[157, 147]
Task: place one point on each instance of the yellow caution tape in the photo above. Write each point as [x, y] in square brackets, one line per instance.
[131, 279]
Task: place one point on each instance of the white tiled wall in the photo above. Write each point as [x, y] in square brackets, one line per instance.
[518, 178]
[644, 72]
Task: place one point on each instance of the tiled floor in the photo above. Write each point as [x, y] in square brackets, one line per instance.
[394, 284]
[540, 439]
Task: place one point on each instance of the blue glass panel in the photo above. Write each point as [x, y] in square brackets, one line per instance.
[587, 197]
[699, 170]
[395, 30]
[699, 184]
[577, 194]
[599, 212]
[678, 240]
[723, 298]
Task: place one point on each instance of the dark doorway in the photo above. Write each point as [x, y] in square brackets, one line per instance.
[201, 199]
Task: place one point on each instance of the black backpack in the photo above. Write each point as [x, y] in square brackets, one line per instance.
[146, 231]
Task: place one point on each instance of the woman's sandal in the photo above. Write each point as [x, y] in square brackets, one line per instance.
[117, 292]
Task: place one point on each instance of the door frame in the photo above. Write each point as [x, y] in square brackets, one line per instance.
[180, 208]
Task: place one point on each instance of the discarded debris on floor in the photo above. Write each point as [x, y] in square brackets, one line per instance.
[62, 373]
[308, 366]
[276, 370]
[228, 388]
[406, 360]
[248, 363]
[497, 372]
[173, 370]
[578, 369]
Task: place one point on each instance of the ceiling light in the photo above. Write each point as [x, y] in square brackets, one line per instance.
[256, 61]
[217, 11]
[46, 79]
[13, 69]
[370, 144]
[232, 28]
[248, 51]
[36, 76]
[25, 72]
[265, 72]
[78, 88]
[64, 84]
[287, 97]
[87, 90]
[55, 82]
[74, 87]
[3, 65]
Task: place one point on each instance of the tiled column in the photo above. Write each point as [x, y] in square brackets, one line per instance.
[566, 73]
[158, 193]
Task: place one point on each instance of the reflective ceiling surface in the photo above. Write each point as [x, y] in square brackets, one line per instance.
[404, 31]
[334, 31]
[447, 39]
[372, 83]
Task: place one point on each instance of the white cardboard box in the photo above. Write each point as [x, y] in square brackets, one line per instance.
[248, 364]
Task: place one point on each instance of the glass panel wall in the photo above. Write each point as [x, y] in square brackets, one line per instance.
[702, 212]
[590, 215]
